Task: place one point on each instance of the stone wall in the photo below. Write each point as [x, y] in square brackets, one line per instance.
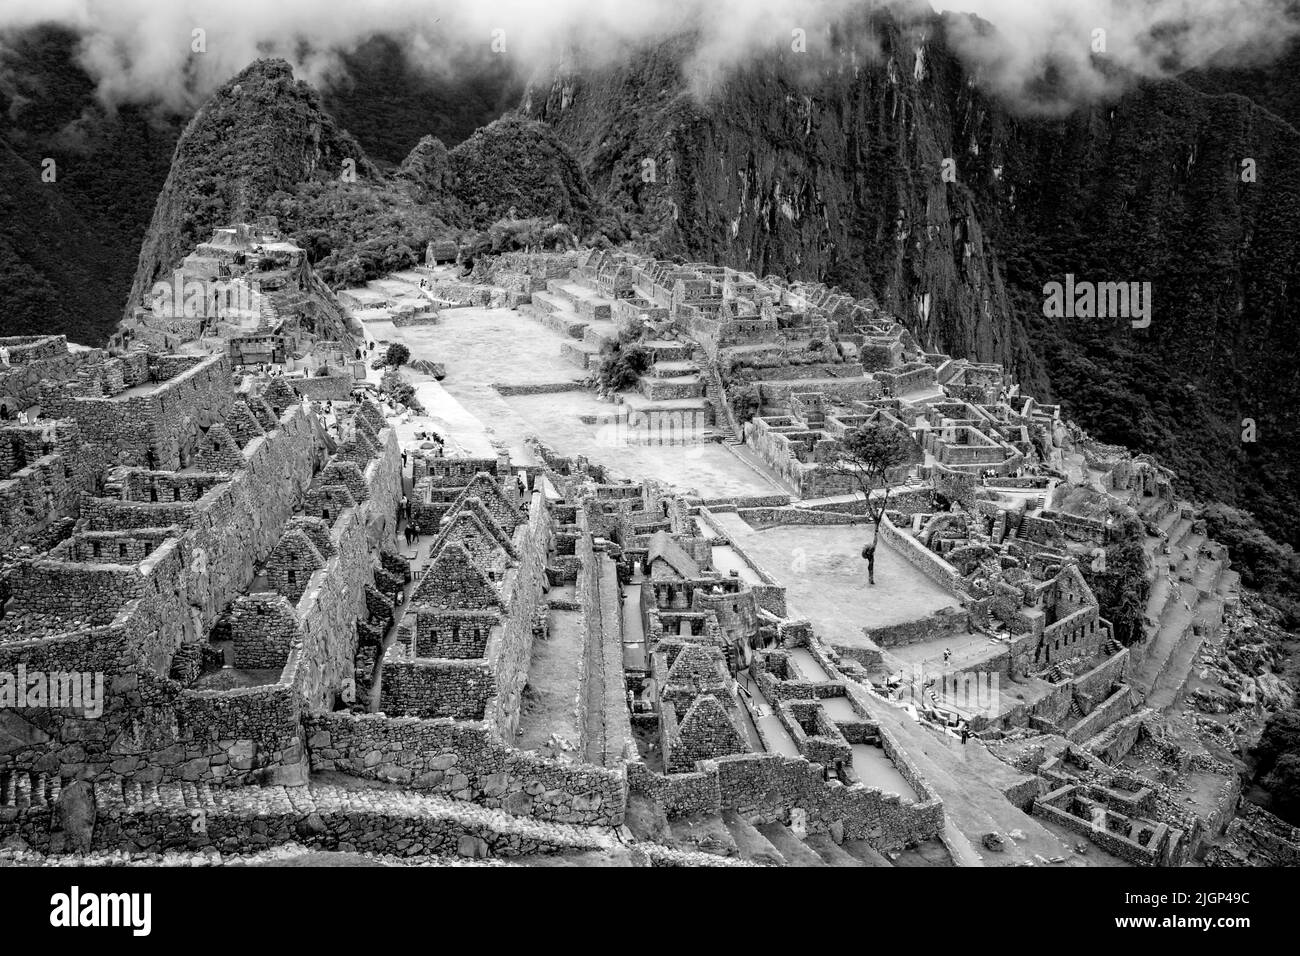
[1117, 705]
[465, 761]
[320, 388]
[922, 558]
[188, 734]
[425, 688]
[264, 629]
[158, 426]
[941, 622]
[511, 650]
[22, 382]
[35, 497]
[323, 817]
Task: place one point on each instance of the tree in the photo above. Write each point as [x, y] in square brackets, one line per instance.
[621, 365]
[392, 384]
[1122, 582]
[745, 402]
[867, 455]
[397, 354]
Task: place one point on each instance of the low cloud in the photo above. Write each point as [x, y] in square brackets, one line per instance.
[142, 50]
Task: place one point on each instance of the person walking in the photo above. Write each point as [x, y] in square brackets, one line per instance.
[869, 553]
[947, 656]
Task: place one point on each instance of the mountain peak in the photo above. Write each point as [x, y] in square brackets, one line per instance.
[261, 133]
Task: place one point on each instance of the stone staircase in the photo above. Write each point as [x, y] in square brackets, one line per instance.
[730, 836]
[723, 418]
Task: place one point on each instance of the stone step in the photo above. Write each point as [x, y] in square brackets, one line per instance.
[1180, 529]
[1172, 680]
[669, 351]
[832, 855]
[750, 843]
[550, 302]
[669, 369]
[1167, 652]
[704, 833]
[794, 850]
[599, 336]
[563, 322]
[669, 389]
[1206, 577]
[865, 852]
[580, 354]
[1163, 593]
[1192, 544]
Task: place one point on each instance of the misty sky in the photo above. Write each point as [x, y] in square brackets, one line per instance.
[140, 50]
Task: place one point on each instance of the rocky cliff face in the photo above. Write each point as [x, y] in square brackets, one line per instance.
[824, 167]
[833, 167]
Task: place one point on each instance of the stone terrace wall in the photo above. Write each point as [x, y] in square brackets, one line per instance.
[511, 650]
[922, 558]
[321, 816]
[465, 761]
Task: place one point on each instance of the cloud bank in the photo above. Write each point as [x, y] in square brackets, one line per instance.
[143, 50]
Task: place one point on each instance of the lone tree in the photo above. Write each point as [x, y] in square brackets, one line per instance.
[397, 354]
[621, 364]
[868, 454]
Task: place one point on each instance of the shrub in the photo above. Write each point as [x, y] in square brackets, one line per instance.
[621, 364]
[399, 390]
[745, 402]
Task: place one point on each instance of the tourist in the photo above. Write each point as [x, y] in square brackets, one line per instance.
[869, 553]
[965, 734]
[947, 656]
